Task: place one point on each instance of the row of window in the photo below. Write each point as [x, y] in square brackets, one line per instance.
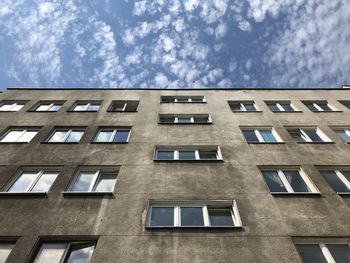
[122, 134]
[102, 180]
[131, 105]
[82, 251]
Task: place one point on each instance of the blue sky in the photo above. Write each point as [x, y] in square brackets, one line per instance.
[175, 44]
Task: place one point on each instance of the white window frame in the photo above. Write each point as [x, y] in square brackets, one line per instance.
[68, 132]
[115, 130]
[279, 106]
[242, 106]
[197, 156]
[286, 184]
[189, 99]
[177, 205]
[94, 181]
[24, 131]
[86, 106]
[315, 104]
[49, 107]
[114, 108]
[306, 137]
[342, 178]
[260, 137]
[176, 118]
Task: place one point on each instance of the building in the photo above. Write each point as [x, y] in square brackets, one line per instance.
[175, 175]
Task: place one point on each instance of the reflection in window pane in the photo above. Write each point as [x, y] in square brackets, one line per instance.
[273, 181]
[74, 136]
[23, 182]
[105, 183]
[12, 136]
[220, 217]
[5, 250]
[343, 135]
[81, 255]
[187, 155]
[296, 181]
[80, 107]
[50, 253]
[341, 253]
[27, 136]
[334, 181]
[162, 216]
[43, 107]
[192, 216]
[45, 182]
[267, 136]
[121, 136]
[165, 155]
[83, 181]
[311, 253]
[184, 119]
[104, 136]
[58, 136]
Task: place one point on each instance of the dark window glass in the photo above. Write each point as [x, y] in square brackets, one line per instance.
[121, 136]
[273, 107]
[192, 216]
[220, 217]
[341, 253]
[311, 107]
[343, 135]
[235, 106]
[212, 155]
[324, 106]
[311, 254]
[346, 104]
[184, 119]
[346, 174]
[267, 136]
[334, 181]
[80, 254]
[273, 181]
[93, 107]
[295, 180]
[197, 100]
[249, 106]
[250, 136]
[165, 155]
[168, 99]
[182, 99]
[187, 155]
[162, 216]
[287, 106]
[201, 119]
[167, 119]
[313, 135]
[297, 135]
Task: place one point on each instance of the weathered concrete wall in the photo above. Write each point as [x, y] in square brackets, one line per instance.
[269, 221]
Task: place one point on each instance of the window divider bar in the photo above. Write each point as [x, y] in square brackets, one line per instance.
[285, 181]
[343, 178]
[38, 176]
[327, 254]
[258, 135]
[113, 135]
[177, 219]
[206, 216]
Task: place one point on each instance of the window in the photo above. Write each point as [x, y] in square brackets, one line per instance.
[324, 252]
[112, 135]
[48, 106]
[261, 135]
[318, 106]
[182, 99]
[309, 134]
[11, 105]
[70, 252]
[246, 106]
[343, 133]
[338, 180]
[66, 135]
[288, 181]
[185, 119]
[33, 181]
[99, 181]
[19, 135]
[204, 214]
[283, 106]
[345, 103]
[123, 106]
[208, 153]
[86, 106]
[5, 250]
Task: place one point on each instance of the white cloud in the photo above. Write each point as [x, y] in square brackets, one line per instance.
[220, 31]
[161, 80]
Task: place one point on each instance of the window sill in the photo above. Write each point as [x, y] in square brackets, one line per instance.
[183, 102]
[193, 227]
[201, 160]
[109, 142]
[241, 111]
[184, 123]
[34, 111]
[89, 111]
[297, 193]
[315, 142]
[67, 193]
[295, 111]
[14, 142]
[59, 142]
[121, 111]
[266, 142]
[23, 194]
[343, 193]
[327, 111]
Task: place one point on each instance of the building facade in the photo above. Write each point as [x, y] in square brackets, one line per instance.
[115, 175]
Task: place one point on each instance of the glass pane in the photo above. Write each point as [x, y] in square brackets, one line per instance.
[296, 181]
[267, 136]
[45, 182]
[192, 216]
[184, 119]
[81, 255]
[5, 250]
[27, 136]
[249, 106]
[343, 135]
[55, 107]
[250, 136]
[106, 183]
[211, 155]
[273, 181]
[197, 100]
[311, 107]
[165, 155]
[341, 253]
[5, 107]
[334, 181]
[58, 136]
[16, 107]
[311, 254]
[74, 136]
[162, 216]
[273, 107]
[182, 99]
[346, 104]
[235, 106]
[23, 182]
[167, 119]
[287, 106]
[12, 136]
[43, 107]
[201, 119]
[104, 136]
[118, 106]
[168, 99]
[346, 174]
[187, 155]
[313, 135]
[84, 181]
[50, 253]
[324, 106]
[121, 136]
[220, 217]
[80, 107]
[93, 107]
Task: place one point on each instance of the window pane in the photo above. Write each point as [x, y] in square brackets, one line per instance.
[343, 135]
[273, 107]
[311, 254]
[45, 182]
[250, 136]
[334, 181]
[121, 136]
[105, 183]
[12, 136]
[55, 107]
[273, 181]
[58, 136]
[43, 107]
[313, 135]
[220, 217]
[168, 99]
[5, 250]
[211, 155]
[249, 106]
[16, 107]
[23, 182]
[104, 136]
[297, 135]
[167, 119]
[235, 106]
[341, 253]
[83, 182]
[197, 100]
[201, 119]
[27, 136]
[287, 106]
[192, 216]
[346, 174]
[324, 106]
[80, 107]
[5, 107]
[81, 255]
[311, 107]
[267, 136]
[93, 107]
[162, 216]
[182, 99]
[74, 136]
[184, 119]
[118, 106]
[346, 104]
[165, 155]
[187, 155]
[296, 181]
[50, 253]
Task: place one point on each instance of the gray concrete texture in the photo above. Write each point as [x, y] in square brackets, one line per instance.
[269, 221]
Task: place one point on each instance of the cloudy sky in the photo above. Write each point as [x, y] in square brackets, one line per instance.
[174, 43]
